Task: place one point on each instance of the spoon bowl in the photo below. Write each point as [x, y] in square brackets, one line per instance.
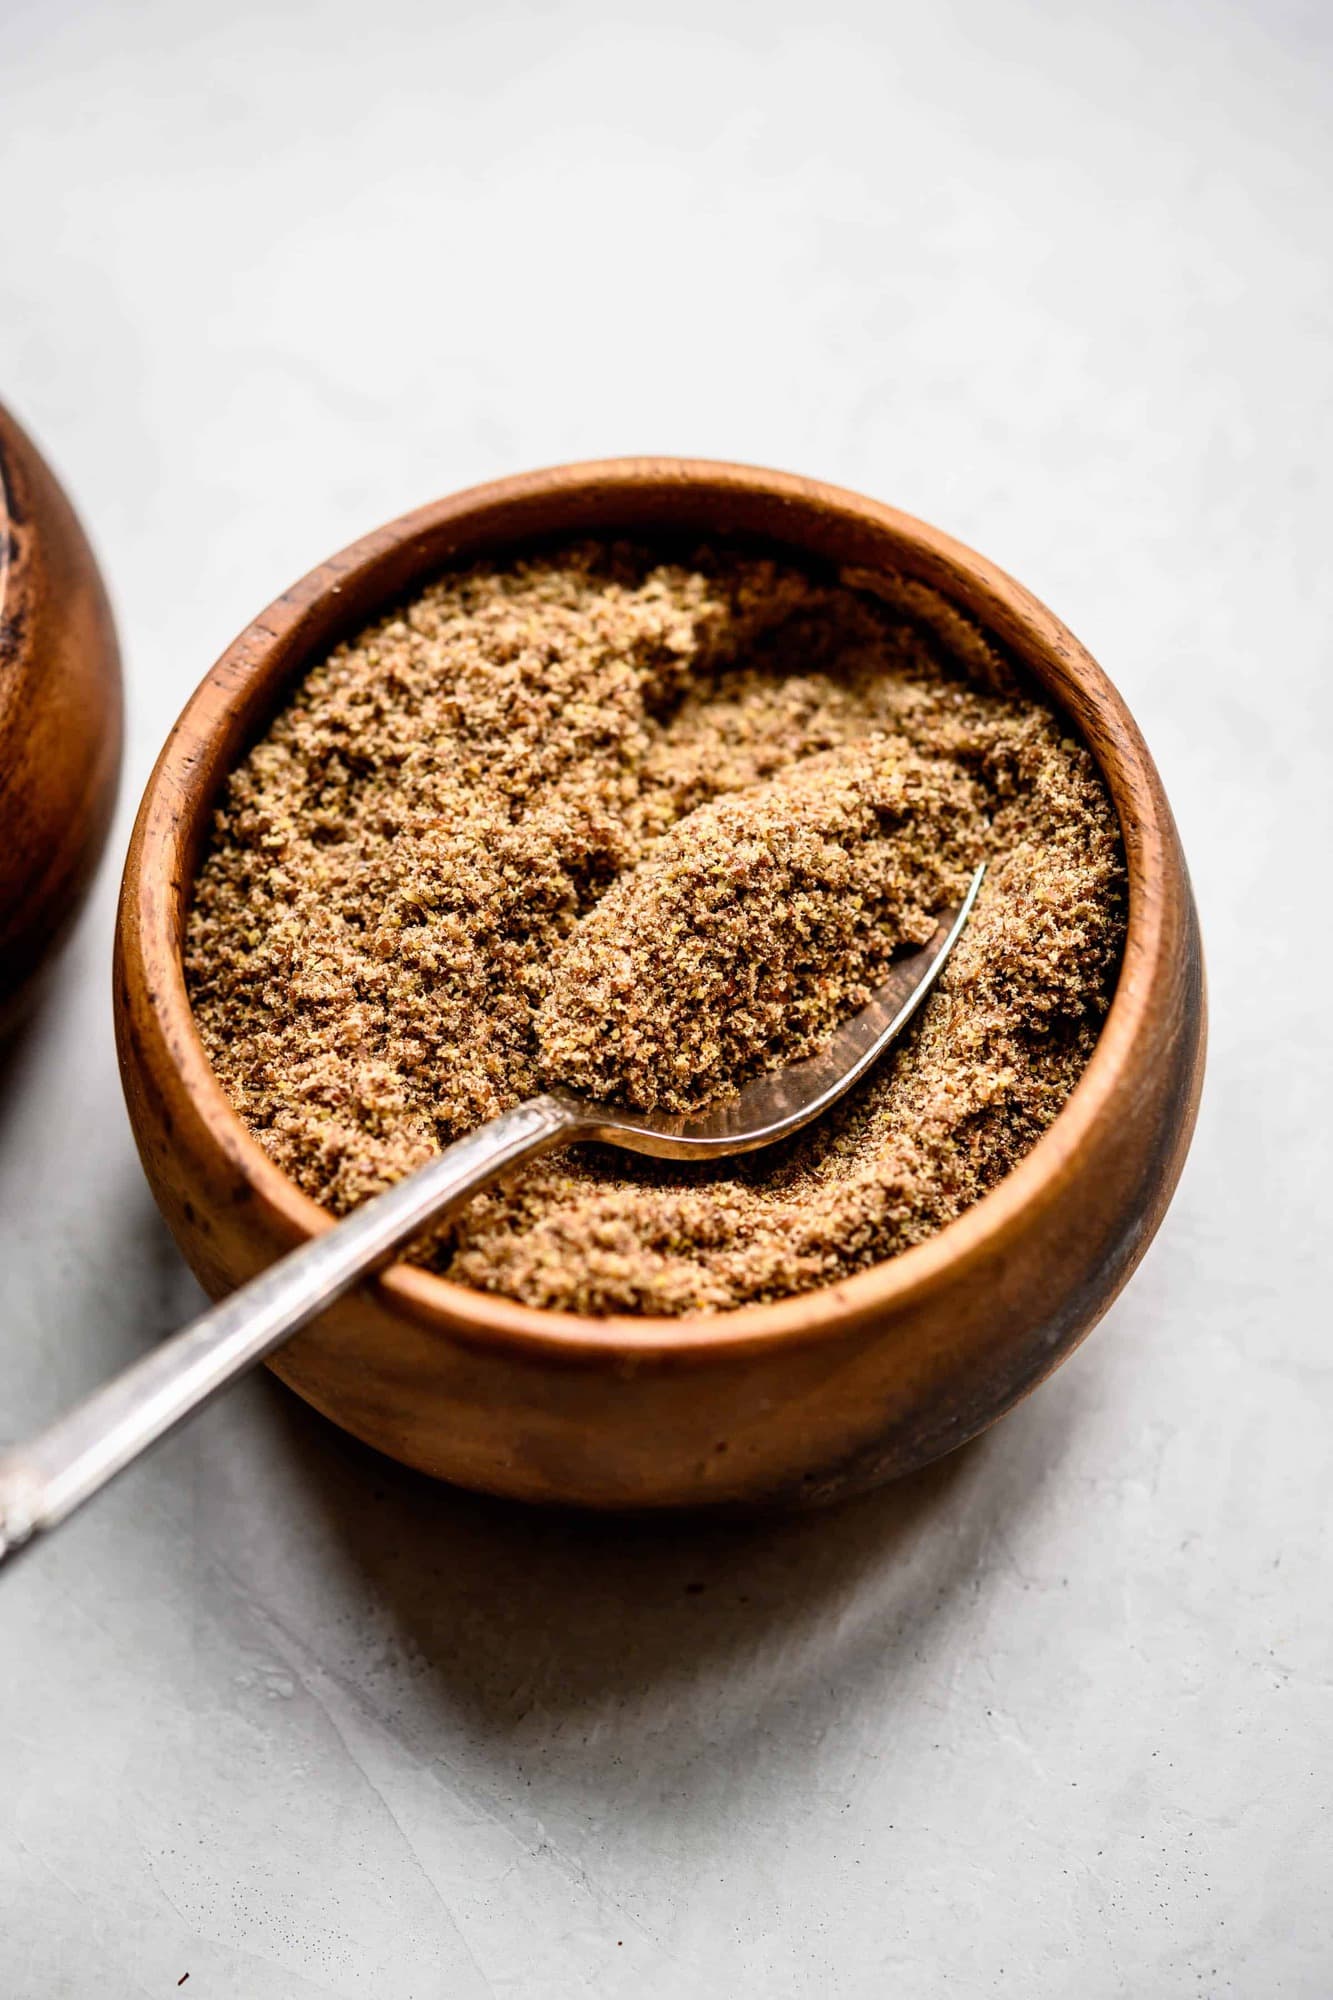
[779, 1102]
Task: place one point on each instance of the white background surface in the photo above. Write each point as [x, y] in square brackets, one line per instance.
[1054, 1718]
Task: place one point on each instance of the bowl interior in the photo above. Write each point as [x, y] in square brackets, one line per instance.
[652, 499]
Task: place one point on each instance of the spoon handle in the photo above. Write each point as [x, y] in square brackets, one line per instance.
[47, 1478]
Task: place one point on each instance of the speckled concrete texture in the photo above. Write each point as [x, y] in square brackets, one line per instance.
[1053, 1718]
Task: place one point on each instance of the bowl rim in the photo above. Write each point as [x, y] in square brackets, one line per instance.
[175, 798]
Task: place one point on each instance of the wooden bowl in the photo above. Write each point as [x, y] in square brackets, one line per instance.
[60, 714]
[813, 1397]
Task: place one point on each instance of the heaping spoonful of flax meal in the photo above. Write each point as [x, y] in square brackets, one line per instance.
[756, 926]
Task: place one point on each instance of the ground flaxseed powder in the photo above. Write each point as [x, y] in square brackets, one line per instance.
[646, 824]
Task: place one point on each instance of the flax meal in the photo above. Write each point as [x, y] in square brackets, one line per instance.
[646, 824]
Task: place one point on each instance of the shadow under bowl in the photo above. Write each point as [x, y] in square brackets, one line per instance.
[795, 1402]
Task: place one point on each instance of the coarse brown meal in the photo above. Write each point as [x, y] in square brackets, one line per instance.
[646, 822]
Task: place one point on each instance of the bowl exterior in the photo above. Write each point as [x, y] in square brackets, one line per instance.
[60, 714]
[798, 1402]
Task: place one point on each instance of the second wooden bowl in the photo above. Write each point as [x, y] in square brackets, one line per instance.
[799, 1401]
[60, 714]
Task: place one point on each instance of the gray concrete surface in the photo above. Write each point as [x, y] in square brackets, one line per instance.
[1054, 1718]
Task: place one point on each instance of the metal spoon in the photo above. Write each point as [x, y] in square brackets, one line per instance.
[46, 1479]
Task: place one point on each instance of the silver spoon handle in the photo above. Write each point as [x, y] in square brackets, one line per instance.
[47, 1478]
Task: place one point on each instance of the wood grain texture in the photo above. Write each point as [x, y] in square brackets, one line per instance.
[60, 714]
[795, 1402]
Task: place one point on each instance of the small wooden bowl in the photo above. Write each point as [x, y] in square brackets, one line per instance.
[60, 714]
[800, 1401]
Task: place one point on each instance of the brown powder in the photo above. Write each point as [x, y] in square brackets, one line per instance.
[647, 825]
[757, 924]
